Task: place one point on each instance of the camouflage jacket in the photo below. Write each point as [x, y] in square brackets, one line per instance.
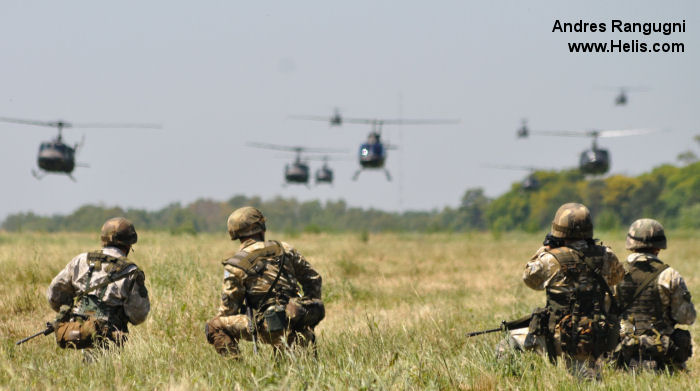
[673, 292]
[297, 271]
[129, 293]
[543, 266]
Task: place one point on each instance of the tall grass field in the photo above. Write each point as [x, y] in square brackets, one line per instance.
[398, 307]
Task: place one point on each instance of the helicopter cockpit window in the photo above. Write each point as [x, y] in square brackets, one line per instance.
[44, 145]
[364, 150]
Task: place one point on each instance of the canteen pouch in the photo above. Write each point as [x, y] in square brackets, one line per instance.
[275, 318]
[78, 334]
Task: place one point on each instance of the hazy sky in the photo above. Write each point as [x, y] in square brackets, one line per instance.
[218, 74]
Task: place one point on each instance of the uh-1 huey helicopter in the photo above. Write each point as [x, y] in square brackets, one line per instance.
[55, 156]
[324, 174]
[298, 172]
[373, 152]
[530, 183]
[621, 98]
[594, 161]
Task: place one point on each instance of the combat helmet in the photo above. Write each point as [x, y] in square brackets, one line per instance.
[118, 231]
[646, 233]
[245, 221]
[572, 221]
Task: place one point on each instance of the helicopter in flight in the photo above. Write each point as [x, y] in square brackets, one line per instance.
[621, 98]
[57, 157]
[324, 174]
[298, 172]
[593, 161]
[372, 153]
[529, 183]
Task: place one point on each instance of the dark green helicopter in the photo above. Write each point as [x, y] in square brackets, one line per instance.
[530, 182]
[298, 172]
[57, 157]
[373, 152]
[593, 161]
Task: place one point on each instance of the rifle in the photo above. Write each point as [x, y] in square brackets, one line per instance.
[505, 325]
[251, 324]
[64, 313]
[50, 328]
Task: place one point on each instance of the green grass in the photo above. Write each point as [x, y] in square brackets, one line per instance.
[398, 308]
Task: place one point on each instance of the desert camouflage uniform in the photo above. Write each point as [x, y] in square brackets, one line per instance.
[538, 275]
[649, 338]
[578, 275]
[301, 314]
[126, 300]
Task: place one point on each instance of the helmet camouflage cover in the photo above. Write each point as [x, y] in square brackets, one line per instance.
[646, 233]
[572, 221]
[118, 231]
[245, 221]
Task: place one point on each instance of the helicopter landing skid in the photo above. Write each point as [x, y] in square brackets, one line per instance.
[37, 175]
[357, 174]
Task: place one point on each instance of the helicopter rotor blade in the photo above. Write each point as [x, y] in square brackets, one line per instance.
[420, 121]
[297, 149]
[625, 132]
[512, 167]
[311, 117]
[117, 125]
[28, 122]
[398, 121]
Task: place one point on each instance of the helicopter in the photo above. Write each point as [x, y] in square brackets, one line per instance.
[594, 161]
[55, 156]
[372, 153]
[298, 171]
[324, 174]
[621, 98]
[530, 183]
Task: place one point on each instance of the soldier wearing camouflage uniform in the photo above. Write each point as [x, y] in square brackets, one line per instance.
[261, 296]
[98, 293]
[578, 275]
[654, 299]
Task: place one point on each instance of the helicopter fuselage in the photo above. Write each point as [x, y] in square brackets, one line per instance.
[324, 175]
[594, 161]
[372, 155]
[296, 172]
[55, 156]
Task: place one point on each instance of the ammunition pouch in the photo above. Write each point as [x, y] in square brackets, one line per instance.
[81, 334]
[275, 318]
[587, 336]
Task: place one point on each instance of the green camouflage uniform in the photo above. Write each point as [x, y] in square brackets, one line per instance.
[298, 315]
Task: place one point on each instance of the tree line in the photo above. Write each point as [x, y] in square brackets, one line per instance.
[668, 193]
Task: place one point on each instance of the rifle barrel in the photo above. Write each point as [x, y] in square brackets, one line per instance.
[23, 340]
[475, 333]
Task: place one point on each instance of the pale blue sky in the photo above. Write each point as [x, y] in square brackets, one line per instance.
[217, 74]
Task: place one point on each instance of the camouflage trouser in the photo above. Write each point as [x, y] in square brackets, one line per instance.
[301, 316]
[522, 340]
[656, 352]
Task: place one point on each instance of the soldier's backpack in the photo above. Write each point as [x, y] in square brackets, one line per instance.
[579, 317]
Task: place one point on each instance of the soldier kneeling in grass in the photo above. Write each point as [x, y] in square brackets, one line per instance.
[261, 295]
[654, 299]
[99, 293]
